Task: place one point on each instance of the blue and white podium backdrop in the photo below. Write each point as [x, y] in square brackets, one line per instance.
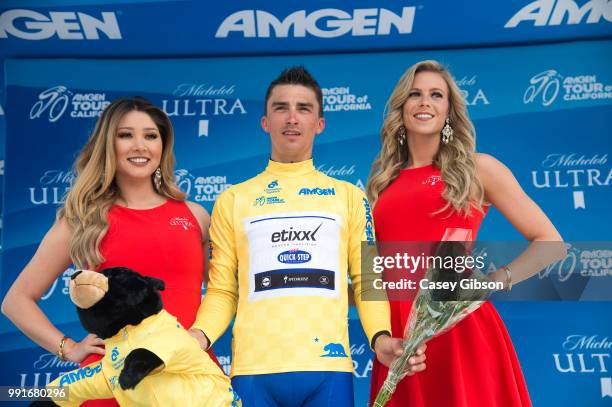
[187, 27]
[543, 110]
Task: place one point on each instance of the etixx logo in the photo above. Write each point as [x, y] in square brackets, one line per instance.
[291, 235]
[66, 25]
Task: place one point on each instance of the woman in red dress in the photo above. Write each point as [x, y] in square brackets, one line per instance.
[429, 184]
[124, 209]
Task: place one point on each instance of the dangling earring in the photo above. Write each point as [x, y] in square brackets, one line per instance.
[401, 135]
[157, 178]
[447, 132]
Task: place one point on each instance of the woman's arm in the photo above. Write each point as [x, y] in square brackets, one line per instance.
[51, 258]
[203, 218]
[201, 214]
[504, 192]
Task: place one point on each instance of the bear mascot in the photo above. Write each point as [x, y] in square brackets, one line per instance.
[150, 360]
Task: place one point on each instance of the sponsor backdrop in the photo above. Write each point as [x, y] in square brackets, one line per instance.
[541, 109]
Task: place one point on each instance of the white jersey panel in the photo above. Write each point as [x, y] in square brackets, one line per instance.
[293, 254]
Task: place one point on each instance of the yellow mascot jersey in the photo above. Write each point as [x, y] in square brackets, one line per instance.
[189, 378]
[282, 244]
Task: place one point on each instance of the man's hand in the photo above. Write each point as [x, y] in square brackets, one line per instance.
[388, 349]
[201, 338]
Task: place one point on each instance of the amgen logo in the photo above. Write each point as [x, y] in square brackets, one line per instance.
[323, 23]
[555, 12]
[67, 25]
[547, 85]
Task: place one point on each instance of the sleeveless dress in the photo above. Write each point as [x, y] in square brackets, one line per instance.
[164, 242]
[474, 364]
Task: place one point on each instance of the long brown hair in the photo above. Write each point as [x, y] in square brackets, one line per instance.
[456, 160]
[94, 190]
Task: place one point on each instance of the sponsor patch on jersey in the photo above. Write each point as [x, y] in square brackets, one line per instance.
[293, 254]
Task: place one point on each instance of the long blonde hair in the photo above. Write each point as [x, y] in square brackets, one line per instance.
[456, 160]
[94, 190]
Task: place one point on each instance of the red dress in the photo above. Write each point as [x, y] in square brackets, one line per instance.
[163, 242]
[473, 364]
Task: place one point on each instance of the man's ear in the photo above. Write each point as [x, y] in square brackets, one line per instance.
[321, 125]
[156, 283]
[264, 124]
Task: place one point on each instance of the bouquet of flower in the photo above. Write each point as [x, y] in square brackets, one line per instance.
[433, 313]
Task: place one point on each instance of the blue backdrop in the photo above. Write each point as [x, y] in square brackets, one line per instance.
[543, 109]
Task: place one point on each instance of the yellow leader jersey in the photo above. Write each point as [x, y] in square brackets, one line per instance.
[188, 378]
[283, 244]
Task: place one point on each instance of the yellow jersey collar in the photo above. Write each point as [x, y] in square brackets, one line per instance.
[290, 169]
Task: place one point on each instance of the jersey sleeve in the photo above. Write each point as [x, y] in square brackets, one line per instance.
[82, 384]
[221, 298]
[374, 309]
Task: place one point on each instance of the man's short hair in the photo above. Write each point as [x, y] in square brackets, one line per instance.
[296, 75]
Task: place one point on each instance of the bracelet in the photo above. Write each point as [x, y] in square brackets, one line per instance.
[508, 278]
[376, 335]
[60, 351]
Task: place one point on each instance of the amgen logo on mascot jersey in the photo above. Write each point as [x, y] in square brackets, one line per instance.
[66, 25]
[323, 23]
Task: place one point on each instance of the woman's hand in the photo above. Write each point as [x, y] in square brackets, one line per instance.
[78, 351]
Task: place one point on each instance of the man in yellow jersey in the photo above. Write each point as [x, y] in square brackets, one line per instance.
[284, 243]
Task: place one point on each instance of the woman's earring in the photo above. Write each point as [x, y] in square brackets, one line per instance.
[157, 178]
[401, 135]
[447, 132]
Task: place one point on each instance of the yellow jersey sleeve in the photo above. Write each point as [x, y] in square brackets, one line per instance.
[221, 298]
[374, 315]
[82, 384]
[284, 244]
